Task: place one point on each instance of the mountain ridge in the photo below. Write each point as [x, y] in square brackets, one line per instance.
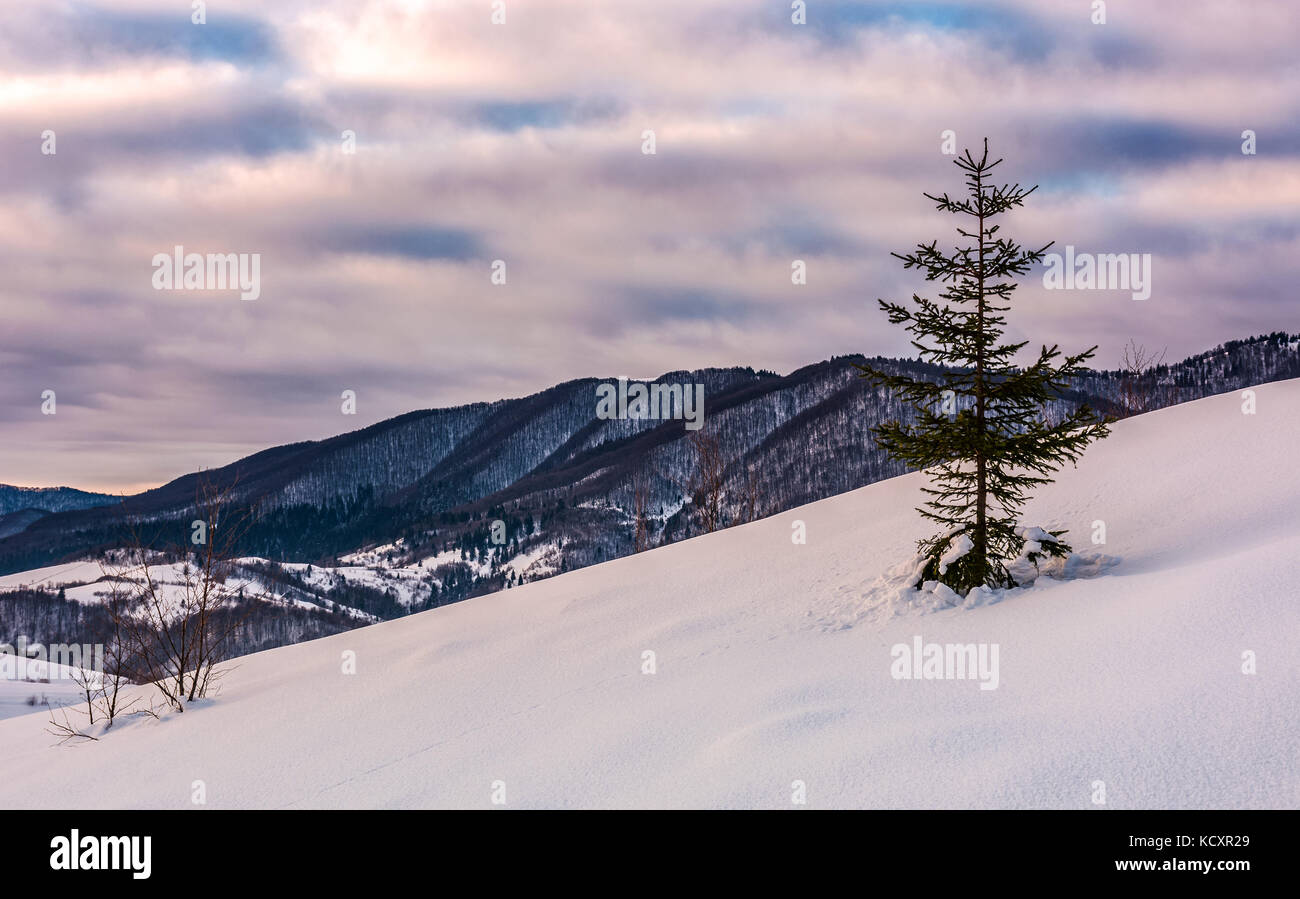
[428, 479]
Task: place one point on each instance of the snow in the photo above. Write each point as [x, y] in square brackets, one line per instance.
[36, 685]
[54, 576]
[1037, 536]
[84, 582]
[376, 556]
[956, 549]
[540, 561]
[411, 584]
[773, 661]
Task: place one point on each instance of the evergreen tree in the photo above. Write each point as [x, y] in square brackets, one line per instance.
[980, 429]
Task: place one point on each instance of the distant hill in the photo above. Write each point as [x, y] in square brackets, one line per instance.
[49, 499]
[564, 482]
[16, 522]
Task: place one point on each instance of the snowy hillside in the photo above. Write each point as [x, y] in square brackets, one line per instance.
[773, 665]
[423, 490]
[86, 582]
[30, 686]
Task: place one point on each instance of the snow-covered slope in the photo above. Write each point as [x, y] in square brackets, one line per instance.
[30, 686]
[773, 665]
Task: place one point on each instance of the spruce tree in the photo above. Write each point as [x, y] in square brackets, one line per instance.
[980, 428]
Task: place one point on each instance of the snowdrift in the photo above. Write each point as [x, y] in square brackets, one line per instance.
[776, 667]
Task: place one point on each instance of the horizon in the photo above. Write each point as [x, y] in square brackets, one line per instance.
[134, 489]
[348, 176]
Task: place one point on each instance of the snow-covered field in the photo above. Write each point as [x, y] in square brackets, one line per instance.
[772, 667]
[85, 582]
[35, 686]
[54, 576]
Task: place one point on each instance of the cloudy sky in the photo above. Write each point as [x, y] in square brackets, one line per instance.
[523, 142]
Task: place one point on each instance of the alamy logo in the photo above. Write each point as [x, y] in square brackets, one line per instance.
[946, 661]
[1100, 271]
[70, 661]
[641, 401]
[215, 271]
[78, 853]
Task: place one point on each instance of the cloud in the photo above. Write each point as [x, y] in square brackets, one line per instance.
[79, 34]
[523, 143]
